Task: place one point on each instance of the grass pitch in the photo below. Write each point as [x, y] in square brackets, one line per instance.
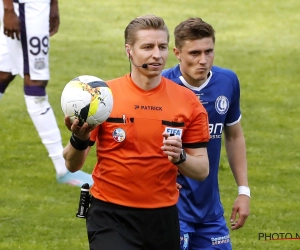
[259, 40]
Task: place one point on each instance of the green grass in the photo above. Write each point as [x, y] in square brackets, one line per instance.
[259, 40]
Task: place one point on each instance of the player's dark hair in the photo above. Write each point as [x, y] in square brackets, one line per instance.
[191, 29]
[145, 22]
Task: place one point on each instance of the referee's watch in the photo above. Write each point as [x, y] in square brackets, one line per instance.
[182, 157]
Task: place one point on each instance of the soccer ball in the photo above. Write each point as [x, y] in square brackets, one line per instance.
[87, 98]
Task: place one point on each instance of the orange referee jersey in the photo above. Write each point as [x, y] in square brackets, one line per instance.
[131, 168]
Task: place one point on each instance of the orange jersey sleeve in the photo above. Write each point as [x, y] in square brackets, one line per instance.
[94, 133]
[199, 125]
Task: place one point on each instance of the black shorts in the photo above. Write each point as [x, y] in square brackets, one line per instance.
[115, 227]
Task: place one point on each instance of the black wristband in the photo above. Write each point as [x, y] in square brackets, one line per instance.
[79, 144]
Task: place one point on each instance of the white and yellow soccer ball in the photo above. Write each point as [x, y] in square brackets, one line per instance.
[87, 98]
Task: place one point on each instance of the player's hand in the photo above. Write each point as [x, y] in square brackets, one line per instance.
[172, 147]
[11, 24]
[178, 186]
[53, 18]
[68, 122]
[81, 132]
[241, 207]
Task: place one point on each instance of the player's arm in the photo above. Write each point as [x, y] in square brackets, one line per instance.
[236, 151]
[195, 166]
[54, 17]
[196, 163]
[74, 159]
[75, 153]
[11, 21]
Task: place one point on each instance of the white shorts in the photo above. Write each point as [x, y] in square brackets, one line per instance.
[30, 55]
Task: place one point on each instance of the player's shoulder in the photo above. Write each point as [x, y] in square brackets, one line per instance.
[224, 72]
[118, 80]
[118, 83]
[172, 73]
[168, 71]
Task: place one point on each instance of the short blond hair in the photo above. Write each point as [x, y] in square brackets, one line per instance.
[145, 22]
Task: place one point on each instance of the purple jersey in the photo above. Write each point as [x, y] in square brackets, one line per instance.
[220, 96]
